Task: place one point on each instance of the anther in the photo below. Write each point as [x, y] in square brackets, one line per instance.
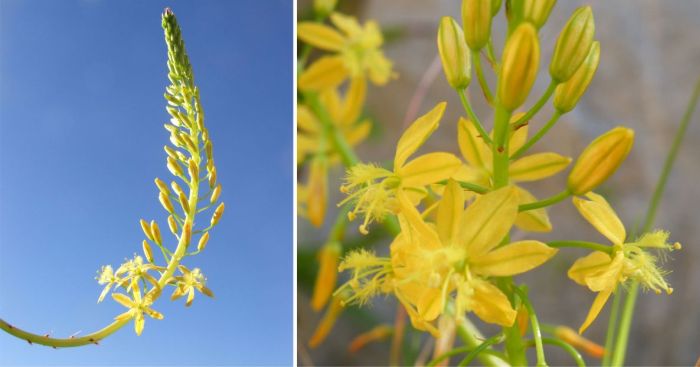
[677, 246]
[363, 229]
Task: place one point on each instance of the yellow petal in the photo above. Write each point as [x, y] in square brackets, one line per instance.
[326, 72]
[491, 305]
[153, 313]
[380, 68]
[449, 212]
[327, 274]
[512, 259]
[538, 166]
[357, 133]
[428, 169]
[354, 101]
[416, 320]
[430, 304]
[588, 265]
[330, 99]
[123, 300]
[417, 134]
[601, 215]
[535, 220]
[519, 136]
[346, 24]
[413, 226]
[306, 120]
[317, 194]
[597, 306]
[321, 36]
[471, 144]
[609, 276]
[488, 220]
[138, 323]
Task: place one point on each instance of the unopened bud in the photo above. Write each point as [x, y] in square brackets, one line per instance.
[568, 94]
[175, 167]
[203, 241]
[537, 11]
[165, 202]
[172, 224]
[156, 232]
[215, 194]
[573, 45]
[327, 275]
[600, 160]
[454, 53]
[212, 177]
[324, 7]
[476, 19]
[146, 229]
[170, 151]
[184, 202]
[520, 61]
[187, 233]
[317, 191]
[193, 169]
[577, 341]
[217, 214]
[147, 251]
[162, 186]
[176, 188]
[208, 150]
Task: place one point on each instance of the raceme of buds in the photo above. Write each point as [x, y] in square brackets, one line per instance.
[573, 45]
[537, 11]
[454, 53]
[600, 160]
[520, 62]
[476, 18]
[568, 94]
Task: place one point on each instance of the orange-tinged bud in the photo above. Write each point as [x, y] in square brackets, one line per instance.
[577, 341]
[519, 65]
[165, 202]
[327, 322]
[146, 229]
[377, 334]
[172, 224]
[600, 160]
[573, 45]
[187, 233]
[147, 251]
[215, 194]
[476, 19]
[522, 319]
[156, 232]
[175, 167]
[193, 169]
[217, 214]
[454, 53]
[183, 202]
[327, 274]
[203, 241]
[568, 94]
[317, 191]
[537, 11]
[162, 186]
[212, 177]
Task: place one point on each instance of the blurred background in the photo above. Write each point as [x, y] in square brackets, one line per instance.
[81, 140]
[649, 65]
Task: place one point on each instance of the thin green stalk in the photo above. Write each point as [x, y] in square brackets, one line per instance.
[93, 338]
[458, 351]
[581, 244]
[612, 327]
[483, 346]
[490, 54]
[545, 202]
[472, 116]
[535, 138]
[618, 358]
[540, 102]
[476, 59]
[469, 334]
[536, 332]
[563, 345]
[469, 186]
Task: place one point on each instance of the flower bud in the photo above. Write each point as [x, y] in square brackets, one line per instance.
[579, 342]
[212, 177]
[172, 224]
[454, 53]
[184, 203]
[193, 169]
[568, 94]
[203, 241]
[600, 160]
[215, 194]
[324, 7]
[573, 45]
[317, 194]
[187, 233]
[476, 18]
[519, 65]
[327, 275]
[537, 11]
[156, 232]
[176, 188]
[162, 186]
[147, 251]
[146, 229]
[217, 214]
[165, 202]
[175, 167]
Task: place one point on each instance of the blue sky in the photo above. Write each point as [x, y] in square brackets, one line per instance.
[81, 140]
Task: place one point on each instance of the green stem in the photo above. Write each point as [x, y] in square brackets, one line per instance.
[563, 345]
[612, 327]
[93, 338]
[535, 138]
[457, 351]
[480, 77]
[490, 54]
[545, 202]
[540, 103]
[469, 334]
[469, 186]
[483, 346]
[581, 244]
[472, 116]
[499, 148]
[536, 332]
[618, 358]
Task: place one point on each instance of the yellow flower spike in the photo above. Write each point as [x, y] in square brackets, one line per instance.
[519, 66]
[165, 202]
[573, 45]
[600, 160]
[147, 251]
[327, 322]
[146, 229]
[328, 258]
[577, 341]
[202, 244]
[156, 232]
[476, 19]
[567, 95]
[317, 193]
[537, 11]
[454, 53]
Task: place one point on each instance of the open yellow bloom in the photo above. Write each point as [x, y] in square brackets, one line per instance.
[373, 189]
[138, 306]
[602, 272]
[479, 169]
[455, 257]
[356, 53]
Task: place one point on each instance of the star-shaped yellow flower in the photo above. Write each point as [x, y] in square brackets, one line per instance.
[138, 306]
[356, 53]
[602, 272]
[188, 283]
[533, 167]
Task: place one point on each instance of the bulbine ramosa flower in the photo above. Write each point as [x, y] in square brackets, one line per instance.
[454, 258]
[373, 190]
[356, 53]
[602, 272]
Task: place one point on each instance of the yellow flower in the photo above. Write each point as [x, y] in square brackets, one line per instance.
[356, 53]
[138, 306]
[602, 272]
[455, 256]
[108, 279]
[188, 282]
[135, 269]
[479, 169]
[373, 189]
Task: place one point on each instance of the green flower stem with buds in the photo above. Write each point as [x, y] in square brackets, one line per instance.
[535, 138]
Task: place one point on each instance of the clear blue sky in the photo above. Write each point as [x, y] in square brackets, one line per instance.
[81, 140]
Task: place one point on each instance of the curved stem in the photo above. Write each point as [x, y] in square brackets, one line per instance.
[545, 202]
[472, 116]
[476, 351]
[612, 327]
[563, 345]
[457, 351]
[581, 244]
[536, 332]
[480, 77]
[535, 138]
[540, 102]
[93, 338]
[470, 336]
